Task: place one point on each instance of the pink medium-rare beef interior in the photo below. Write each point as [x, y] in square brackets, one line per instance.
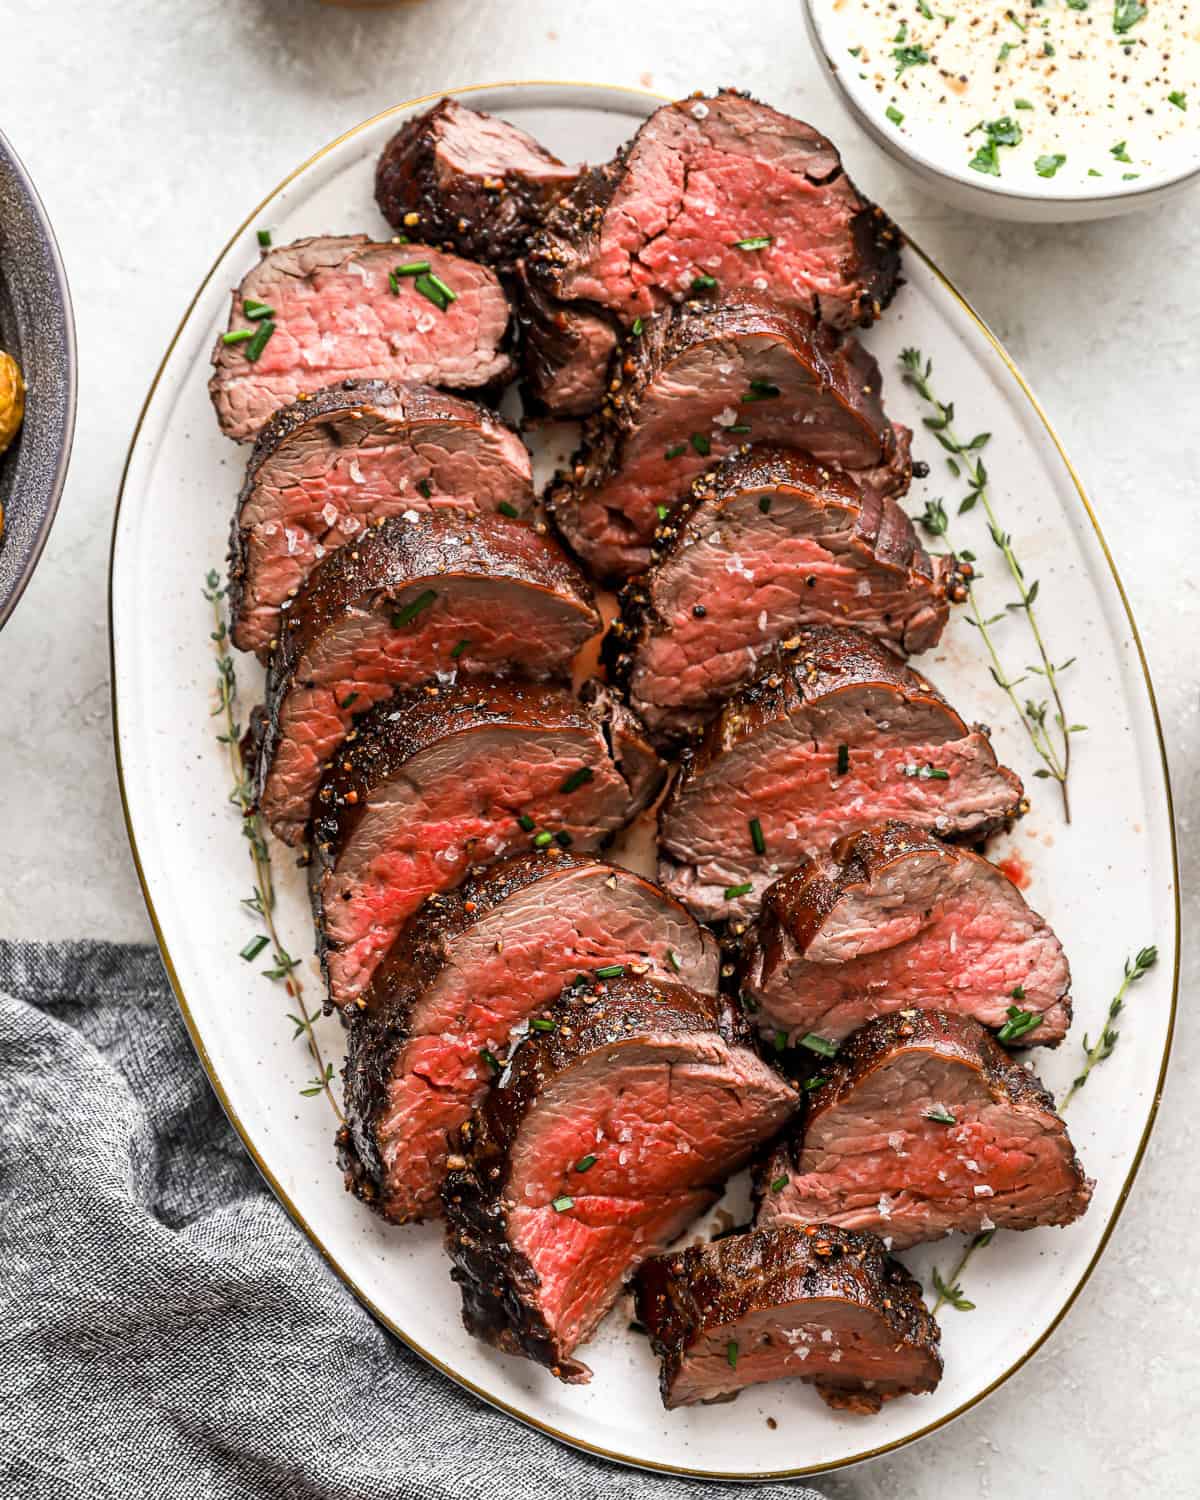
[431, 600]
[325, 470]
[902, 759]
[431, 786]
[819, 1303]
[491, 976]
[602, 1139]
[726, 187]
[938, 1133]
[773, 542]
[892, 920]
[337, 317]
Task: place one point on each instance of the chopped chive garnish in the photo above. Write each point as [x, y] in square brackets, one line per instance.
[411, 610]
[894, 115]
[819, 1044]
[1019, 992]
[756, 837]
[1177, 97]
[425, 487]
[457, 651]
[560, 1205]
[394, 283]
[526, 822]
[739, 427]
[732, 892]
[843, 761]
[1018, 1024]
[262, 337]
[413, 268]
[638, 325]
[348, 700]
[610, 971]
[764, 504]
[731, 1353]
[256, 310]
[814, 1083]
[778, 1184]
[780, 1040]
[506, 509]
[543, 1023]
[264, 237]
[703, 282]
[926, 772]
[942, 1116]
[754, 242]
[675, 450]
[491, 1059]
[543, 840]
[253, 948]
[701, 444]
[577, 779]
[432, 287]
[237, 335]
[585, 1163]
[673, 960]
[761, 390]
[663, 512]
[1022, 104]
[563, 839]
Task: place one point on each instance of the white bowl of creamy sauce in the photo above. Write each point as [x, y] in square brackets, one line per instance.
[1025, 109]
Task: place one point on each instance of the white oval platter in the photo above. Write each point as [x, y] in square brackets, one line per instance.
[1107, 881]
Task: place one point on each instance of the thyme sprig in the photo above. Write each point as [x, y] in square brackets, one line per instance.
[1045, 720]
[1102, 1049]
[949, 1289]
[284, 968]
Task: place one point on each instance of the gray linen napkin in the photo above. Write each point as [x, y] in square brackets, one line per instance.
[167, 1331]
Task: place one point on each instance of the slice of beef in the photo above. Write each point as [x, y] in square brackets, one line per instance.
[566, 352]
[441, 597]
[699, 383]
[834, 733]
[600, 1142]
[721, 186]
[770, 541]
[819, 1304]
[895, 918]
[456, 176]
[474, 970]
[350, 456]
[924, 1126]
[336, 317]
[436, 781]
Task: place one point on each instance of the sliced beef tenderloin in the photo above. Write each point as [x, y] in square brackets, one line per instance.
[566, 352]
[459, 177]
[721, 187]
[698, 384]
[768, 542]
[352, 455]
[441, 597]
[924, 1125]
[474, 970]
[600, 1142]
[819, 1304]
[894, 918]
[833, 734]
[440, 779]
[345, 308]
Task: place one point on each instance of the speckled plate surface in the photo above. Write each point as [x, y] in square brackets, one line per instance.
[38, 329]
[1107, 881]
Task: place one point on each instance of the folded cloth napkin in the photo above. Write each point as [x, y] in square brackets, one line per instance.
[167, 1329]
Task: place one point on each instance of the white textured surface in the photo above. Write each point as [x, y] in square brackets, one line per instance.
[162, 127]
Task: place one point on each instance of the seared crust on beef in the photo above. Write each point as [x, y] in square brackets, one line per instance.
[708, 1290]
[474, 182]
[866, 532]
[688, 134]
[498, 1282]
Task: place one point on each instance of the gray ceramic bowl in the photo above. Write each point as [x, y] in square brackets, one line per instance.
[38, 329]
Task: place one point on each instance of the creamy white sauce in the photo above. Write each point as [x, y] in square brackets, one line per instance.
[1053, 81]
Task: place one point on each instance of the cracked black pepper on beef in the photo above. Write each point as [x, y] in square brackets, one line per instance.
[769, 541]
[700, 383]
[819, 1304]
[833, 734]
[603, 1139]
[438, 780]
[471, 972]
